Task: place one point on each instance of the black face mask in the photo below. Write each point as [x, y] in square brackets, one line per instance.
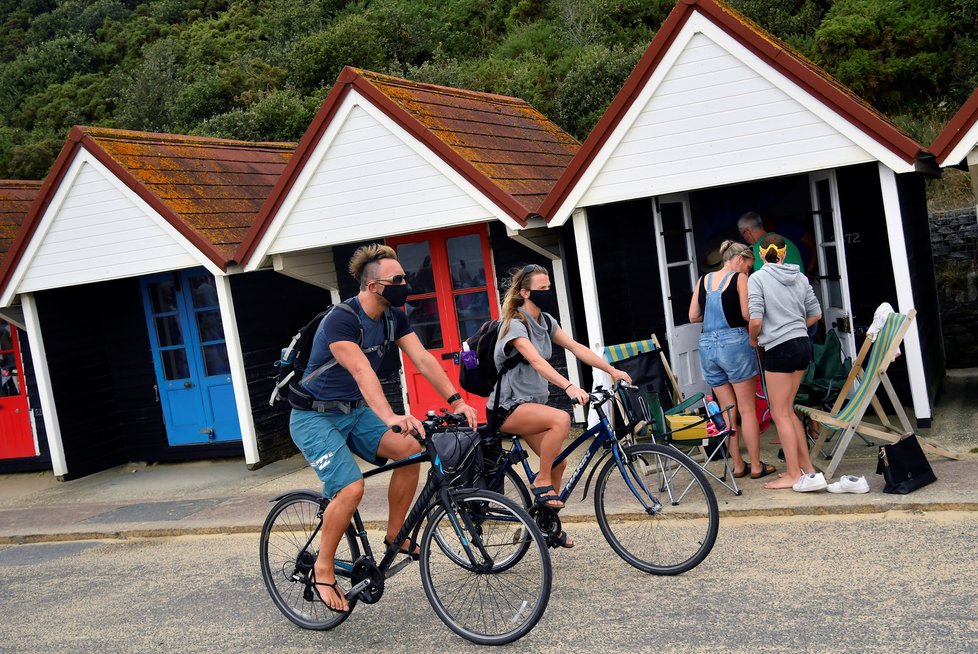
[395, 294]
[546, 300]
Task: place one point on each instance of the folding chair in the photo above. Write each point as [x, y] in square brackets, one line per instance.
[869, 370]
[656, 411]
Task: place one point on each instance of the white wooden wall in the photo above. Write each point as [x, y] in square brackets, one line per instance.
[317, 267]
[97, 229]
[368, 178]
[714, 120]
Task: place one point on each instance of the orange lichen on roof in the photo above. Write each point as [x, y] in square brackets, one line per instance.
[16, 197]
[504, 138]
[215, 186]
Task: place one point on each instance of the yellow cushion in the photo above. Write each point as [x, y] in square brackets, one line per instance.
[693, 433]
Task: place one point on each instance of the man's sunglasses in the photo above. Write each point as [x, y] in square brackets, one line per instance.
[396, 280]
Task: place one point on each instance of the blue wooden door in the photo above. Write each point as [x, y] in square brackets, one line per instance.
[190, 356]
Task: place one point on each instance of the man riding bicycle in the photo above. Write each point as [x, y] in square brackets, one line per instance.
[348, 410]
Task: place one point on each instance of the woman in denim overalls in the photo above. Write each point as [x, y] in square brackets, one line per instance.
[729, 363]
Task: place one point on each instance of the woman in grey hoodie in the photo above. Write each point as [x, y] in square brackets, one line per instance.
[782, 307]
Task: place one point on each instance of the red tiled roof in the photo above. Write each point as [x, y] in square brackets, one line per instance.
[16, 197]
[502, 145]
[216, 187]
[773, 51]
[956, 129]
[209, 189]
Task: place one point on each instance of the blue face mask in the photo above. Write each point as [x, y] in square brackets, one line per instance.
[545, 300]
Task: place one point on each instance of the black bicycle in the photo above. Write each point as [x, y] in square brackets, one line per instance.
[654, 505]
[484, 563]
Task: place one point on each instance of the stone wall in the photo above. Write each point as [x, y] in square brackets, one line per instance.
[954, 240]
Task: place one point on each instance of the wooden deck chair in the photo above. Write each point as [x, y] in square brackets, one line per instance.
[869, 370]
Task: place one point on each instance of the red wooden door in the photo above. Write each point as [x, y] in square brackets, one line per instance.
[16, 437]
[454, 292]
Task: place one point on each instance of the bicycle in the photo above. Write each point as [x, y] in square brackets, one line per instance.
[635, 507]
[484, 563]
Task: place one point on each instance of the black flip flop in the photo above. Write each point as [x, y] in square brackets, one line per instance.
[544, 494]
[414, 555]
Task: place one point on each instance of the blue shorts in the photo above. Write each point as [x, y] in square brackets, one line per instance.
[727, 357]
[329, 440]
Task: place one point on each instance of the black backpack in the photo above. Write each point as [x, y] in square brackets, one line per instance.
[482, 378]
[292, 364]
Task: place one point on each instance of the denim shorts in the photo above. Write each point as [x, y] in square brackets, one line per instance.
[790, 356]
[327, 439]
[727, 357]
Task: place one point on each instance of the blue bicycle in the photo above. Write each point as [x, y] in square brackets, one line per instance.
[654, 505]
[484, 563]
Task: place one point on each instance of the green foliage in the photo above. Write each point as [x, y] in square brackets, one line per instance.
[591, 84]
[258, 69]
[318, 59]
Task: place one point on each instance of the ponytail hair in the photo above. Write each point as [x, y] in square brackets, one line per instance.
[512, 301]
[730, 249]
[773, 248]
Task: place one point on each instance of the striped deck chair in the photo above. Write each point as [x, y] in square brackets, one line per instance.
[658, 391]
[847, 416]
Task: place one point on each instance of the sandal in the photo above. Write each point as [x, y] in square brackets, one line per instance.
[766, 469]
[414, 555]
[545, 496]
[334, 586]
[744, 472]
[562, 541]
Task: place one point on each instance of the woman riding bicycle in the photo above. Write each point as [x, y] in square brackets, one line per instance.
[528, 327]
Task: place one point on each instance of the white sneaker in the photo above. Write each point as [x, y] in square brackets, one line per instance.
[813, 481]
[849, 484]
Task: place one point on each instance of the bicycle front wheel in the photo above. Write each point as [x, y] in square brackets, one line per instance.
[677, 530]
[485, 568]
[288, 549]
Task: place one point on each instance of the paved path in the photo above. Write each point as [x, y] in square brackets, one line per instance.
[223, 496]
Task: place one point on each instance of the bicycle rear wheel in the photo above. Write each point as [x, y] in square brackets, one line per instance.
[288, 549]
[501, 595]
[679, 529]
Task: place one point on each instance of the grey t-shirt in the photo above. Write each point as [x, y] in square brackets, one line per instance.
[523, 383]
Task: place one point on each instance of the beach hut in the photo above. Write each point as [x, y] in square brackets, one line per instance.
[452, 179]
[720, 118]
[141, 341]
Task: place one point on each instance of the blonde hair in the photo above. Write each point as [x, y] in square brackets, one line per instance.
[731, 249]
[366, 260]
[512, 301]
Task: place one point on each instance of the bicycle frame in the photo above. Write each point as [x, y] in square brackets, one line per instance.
[436, 485]
[603, 436]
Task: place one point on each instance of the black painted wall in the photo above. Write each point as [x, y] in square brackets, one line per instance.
[868, 261]
[270, 308]
[627, 271]
[101, 374]
[916, 229]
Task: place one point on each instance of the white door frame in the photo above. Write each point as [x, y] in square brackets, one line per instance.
[842, 324]
[685, 365]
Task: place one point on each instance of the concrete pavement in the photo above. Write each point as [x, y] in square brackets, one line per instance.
[223, 496]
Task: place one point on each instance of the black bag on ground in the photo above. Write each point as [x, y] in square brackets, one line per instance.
[467, 457]
[904, 466]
